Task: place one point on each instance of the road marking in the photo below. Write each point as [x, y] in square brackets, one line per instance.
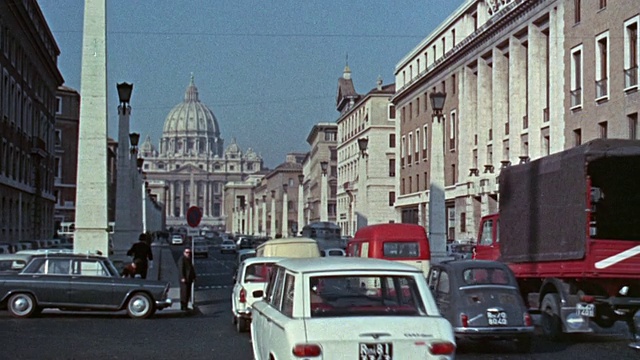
[214, 287]
[612, 260]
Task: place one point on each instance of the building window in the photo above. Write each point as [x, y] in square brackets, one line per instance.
[409, 148]
[633, 126]
[58, 138]
[418, 182]
[417, 148]
[426, 185]
[576, 11]
[452, 131]
[453, 83]
[631, 54]
[392, 112]
[58, 105]
[392, 198]
[602, 65]
[417, 106]
[454, 174]
[402, 151]
[463, 222]
[577, 137]
[58, 167]
[425, 140]
[603, 4]
[392, 167]
[603, 129]
[392, 140]
[576, 77]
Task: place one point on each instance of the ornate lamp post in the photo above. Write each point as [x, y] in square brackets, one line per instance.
[362, 182]
[437, 225]
[300, 204]
[285, 211]
[324, 193]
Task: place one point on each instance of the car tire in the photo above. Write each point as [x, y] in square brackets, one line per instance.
[22, 305]
[241, 325]
[523, 344]
[140, 306]
[550, 317]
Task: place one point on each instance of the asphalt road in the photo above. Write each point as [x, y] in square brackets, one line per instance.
[210, 335]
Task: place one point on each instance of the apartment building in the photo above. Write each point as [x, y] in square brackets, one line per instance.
[523, 79]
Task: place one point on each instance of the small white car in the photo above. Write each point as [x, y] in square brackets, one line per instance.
[249, 284]
[177, 239]
[348, 308]
[333, 252]
[227, 246]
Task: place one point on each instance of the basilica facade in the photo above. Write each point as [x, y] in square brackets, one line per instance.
[191, 165]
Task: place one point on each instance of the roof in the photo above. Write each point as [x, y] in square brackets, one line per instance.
[338, 263]
[292, 240]
[466, 264]
[263, 259]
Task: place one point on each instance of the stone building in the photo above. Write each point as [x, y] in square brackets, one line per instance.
[366, 180]
[29, 80]
[323, 142]
[523, 79]
[191, 165]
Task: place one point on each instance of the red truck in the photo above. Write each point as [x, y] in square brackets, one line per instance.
[569, 227]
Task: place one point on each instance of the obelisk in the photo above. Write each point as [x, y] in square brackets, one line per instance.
[91, 193]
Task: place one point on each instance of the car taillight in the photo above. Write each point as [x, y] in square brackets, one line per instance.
[243, 295]
[527, 319]
[442, 348]
[464, 320]
[587, 298]
[302, 350]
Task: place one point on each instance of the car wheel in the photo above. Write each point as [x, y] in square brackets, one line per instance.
[241, 325]
[140, 306]
[550, 319]
[22, 305]
[523, 344]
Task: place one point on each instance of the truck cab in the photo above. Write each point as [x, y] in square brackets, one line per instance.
[488, 246]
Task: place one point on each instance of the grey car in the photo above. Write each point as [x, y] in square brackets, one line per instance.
[79, 282]
[482, 301]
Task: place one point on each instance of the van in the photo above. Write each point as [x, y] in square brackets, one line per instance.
[296, 247]
[406, 243]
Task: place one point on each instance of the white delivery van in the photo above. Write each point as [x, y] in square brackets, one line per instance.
[295, 247]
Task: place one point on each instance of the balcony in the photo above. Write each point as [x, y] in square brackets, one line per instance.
[631, 77]
[601, 88]
[576, 97]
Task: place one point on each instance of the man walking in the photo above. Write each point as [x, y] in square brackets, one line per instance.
[142, 254]
[187, 277]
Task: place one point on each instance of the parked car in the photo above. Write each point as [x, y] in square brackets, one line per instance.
[200, 247]
[249, 284]
[244, 242]
[227, 246]
[48, 279]
[333, 252]
[7, 248]
[460, 251]
[245, 254]
[13, 263]
[177, 239]
[339, 307]
[482, 301]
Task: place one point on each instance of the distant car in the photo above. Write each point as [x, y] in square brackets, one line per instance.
[47, 280]
[249, 284]
[244, 242]
[245, 254]
[482, 301]
[333, 252]
[347, 307]
[176, 239]
[227, 246]
[460, 251]
[200, 247]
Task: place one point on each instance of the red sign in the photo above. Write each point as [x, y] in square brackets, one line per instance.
[194, 215]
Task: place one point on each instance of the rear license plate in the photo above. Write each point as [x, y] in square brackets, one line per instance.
[376, 351]
[588, 310]
[498, 318]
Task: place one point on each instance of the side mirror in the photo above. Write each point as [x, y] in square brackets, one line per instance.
[258, 294]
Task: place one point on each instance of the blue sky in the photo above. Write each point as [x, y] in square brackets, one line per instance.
[267, 69]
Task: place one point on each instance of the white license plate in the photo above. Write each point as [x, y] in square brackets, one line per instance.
[497, 318]
[376, 351]
[588, 310]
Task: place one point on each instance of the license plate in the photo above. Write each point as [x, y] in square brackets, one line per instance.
[497, 318]
[588, 310]
[376, 351]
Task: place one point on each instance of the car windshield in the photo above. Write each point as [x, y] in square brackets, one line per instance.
[228, 242]
[383, 295]
[485, 276]
[257, 273]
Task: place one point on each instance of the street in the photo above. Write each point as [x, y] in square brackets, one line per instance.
[210, 334]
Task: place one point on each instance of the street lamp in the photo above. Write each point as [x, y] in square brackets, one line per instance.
[300, 202]
[324, 194]
[285, 210]
[139, 163]
[124, 93]
[362, 144]
[134, 139]
[437, 220]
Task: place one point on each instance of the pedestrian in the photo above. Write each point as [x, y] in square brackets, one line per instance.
[187, 277]
[142, 254]
[130, 270]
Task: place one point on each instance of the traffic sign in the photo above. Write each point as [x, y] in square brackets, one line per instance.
[194, 215]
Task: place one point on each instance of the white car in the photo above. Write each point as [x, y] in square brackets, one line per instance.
[348, 308]
[333, 252]
[177, 239]
[227, 246]
[249, 284]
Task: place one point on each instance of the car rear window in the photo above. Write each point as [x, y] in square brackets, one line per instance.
[257, 273]
[384, 295]
[485, 276]
[401, 249]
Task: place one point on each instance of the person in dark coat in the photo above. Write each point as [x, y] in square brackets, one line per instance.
[187, 277]
[142, 254]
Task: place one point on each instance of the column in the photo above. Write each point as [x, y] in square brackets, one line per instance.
[264, 215]
[182, 198]
[272, 231]
[123, 237]
[285, 211]
[91, 208]
[324, 198]
[205, 199]
[437, 220]
[362, 191]
[300, 208]
[256, 214]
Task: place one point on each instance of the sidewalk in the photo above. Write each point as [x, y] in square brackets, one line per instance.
[165, 269]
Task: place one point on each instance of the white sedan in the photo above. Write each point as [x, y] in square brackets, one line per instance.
[228, 246]
[348, 308]
[249, 284]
